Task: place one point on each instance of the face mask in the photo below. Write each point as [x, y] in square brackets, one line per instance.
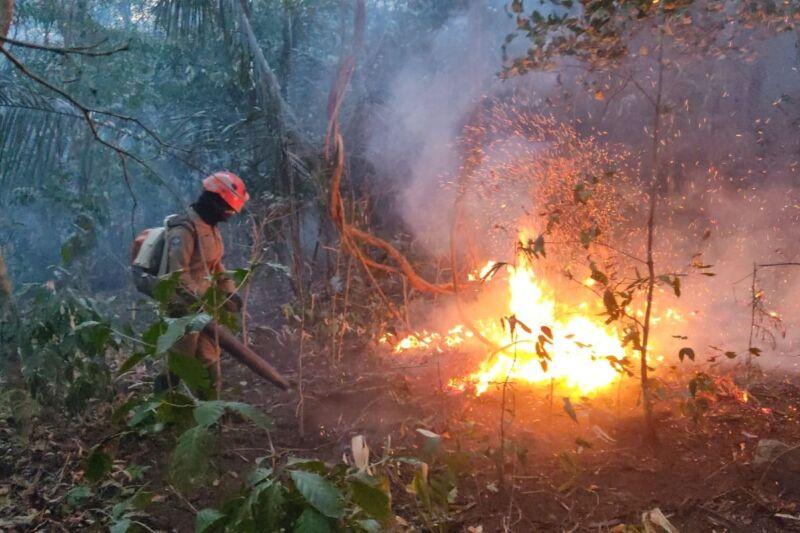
[212, 208]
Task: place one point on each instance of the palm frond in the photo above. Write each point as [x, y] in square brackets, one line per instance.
[31, 124]
[193, 18]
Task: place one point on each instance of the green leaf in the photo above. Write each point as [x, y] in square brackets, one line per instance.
[141, 412]
[420, 487]
[77, 495]
[137, 502]
[189, 459]
[178, 327]
[120, 526]
[238, 276]
[140, 500]
[191, 370]
[372, 495]
[131, 362]
[135, 472]
[258, 476]
[269, 509]
[97, 465]
[119, 414]
[207, 519]
[443, 489]
[151, 334]
[67, 252]
[319, 492]
[251, 413]
[175, 408]
[96, 336]
[208, 413]
[166, 286]
[311, 521]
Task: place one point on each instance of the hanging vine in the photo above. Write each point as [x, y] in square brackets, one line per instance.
[353, 238]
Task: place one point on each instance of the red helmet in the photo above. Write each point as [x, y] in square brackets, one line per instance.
[229, 186]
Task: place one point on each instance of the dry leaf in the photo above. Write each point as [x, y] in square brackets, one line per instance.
[654, 521]
[360, 452]
[429, 434]
[602, 435]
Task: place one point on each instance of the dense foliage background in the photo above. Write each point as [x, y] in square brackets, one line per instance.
[188, 79]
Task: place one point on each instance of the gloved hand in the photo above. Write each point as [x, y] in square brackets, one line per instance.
[234, 303]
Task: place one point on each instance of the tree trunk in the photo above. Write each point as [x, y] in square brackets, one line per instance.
[5, 284]
[268, 86]
[285, 65]
[6, 14]
[647, 404]
[8, 329]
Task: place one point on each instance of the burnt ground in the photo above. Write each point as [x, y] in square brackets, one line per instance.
[593, 474]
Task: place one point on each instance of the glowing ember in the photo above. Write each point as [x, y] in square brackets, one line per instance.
[426, 339]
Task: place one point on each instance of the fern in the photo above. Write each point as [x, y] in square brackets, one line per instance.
[189, 462]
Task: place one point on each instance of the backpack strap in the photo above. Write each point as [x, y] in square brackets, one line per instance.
[173, 221]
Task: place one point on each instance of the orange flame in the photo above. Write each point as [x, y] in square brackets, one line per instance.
[579, 346]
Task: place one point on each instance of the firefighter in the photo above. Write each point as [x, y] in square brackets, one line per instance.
[195, 248]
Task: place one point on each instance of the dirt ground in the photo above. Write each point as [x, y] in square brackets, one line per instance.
[559, 474]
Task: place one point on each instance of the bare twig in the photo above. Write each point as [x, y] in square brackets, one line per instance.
[82, 50]
[753, 304]
[775, 460]
[181, 497]
[90, 122]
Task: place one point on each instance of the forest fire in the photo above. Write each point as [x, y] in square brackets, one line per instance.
[539, 340]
